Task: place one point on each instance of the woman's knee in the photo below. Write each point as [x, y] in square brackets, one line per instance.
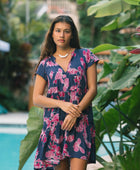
[78, 164]
[64, 165]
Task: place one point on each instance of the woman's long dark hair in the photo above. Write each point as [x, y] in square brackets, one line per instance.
[49, 47]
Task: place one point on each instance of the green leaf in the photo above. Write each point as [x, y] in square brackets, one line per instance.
[124, 108]
[107, 69]
[111, 118]
[103, 99]
[119, 71]
[104, 47]
[124, 19]
[114, 165]
[133, 2]
[137, 153]
[80, 1]
[135, 59]
[131, 47]
[93, 9]
[35, 119]
[130, 160]
[107, 8]
[100, 160]
[97, 116]
[115, 57]
[29, 143]
[110, 26]
[134, 108]
[128, 93]
[127, 79]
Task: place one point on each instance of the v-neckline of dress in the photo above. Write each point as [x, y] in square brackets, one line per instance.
[65, 71]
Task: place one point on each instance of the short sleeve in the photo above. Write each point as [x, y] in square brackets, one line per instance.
[41, 70]
[90, 57]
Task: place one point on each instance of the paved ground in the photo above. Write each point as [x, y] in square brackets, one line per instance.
[20, 119]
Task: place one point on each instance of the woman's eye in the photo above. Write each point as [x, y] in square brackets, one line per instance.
[67, 31]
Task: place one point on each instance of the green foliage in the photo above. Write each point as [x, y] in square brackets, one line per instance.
[86, 25]
[107, 69]
[106, 97]
[106, 122]
[122, 115]
[115, 165]
[133, 2]
[110, 26]
[127, 79]
[80, 1]
[135, 103]
[11, 102]
[135, 59]
[107, 8]
[123, 20]
[25, 40]
[124, 13]
[130, 160]
[104, 47]
[29, 143]
[91, 27]
[14, 65]
[33, 31]
[115, 58]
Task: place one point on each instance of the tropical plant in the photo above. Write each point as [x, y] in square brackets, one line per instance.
[122, 117]
[34, 126]
[95, 30]
[126, 12]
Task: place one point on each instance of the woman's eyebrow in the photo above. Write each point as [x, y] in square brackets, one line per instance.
[64, 29]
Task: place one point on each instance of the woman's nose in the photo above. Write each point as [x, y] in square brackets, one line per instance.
[62, 34]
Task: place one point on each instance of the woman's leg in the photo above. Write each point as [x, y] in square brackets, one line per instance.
[78, 164]
[64, 165]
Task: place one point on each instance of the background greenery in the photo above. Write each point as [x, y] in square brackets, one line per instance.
[25, 40]
[98, 29]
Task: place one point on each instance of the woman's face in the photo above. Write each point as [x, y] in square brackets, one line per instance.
[62, 35]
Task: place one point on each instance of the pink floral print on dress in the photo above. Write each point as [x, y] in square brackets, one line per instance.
[56, 144]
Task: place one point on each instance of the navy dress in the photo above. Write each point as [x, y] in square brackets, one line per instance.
[56, 144]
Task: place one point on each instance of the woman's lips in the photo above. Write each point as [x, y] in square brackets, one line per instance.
[61, 40]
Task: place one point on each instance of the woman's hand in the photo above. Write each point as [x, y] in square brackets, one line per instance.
[68, 123]
[71, 109]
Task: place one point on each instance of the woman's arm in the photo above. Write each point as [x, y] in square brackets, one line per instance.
[92, 87]
[69, 121]
[38, 94]
[42, 101]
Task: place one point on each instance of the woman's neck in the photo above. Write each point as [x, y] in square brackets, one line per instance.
[63, 51]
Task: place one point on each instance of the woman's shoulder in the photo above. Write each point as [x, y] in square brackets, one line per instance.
[46, 59]
[87, 55]
[83, 50]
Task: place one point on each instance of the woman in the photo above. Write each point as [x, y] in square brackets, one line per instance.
[67, 139]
